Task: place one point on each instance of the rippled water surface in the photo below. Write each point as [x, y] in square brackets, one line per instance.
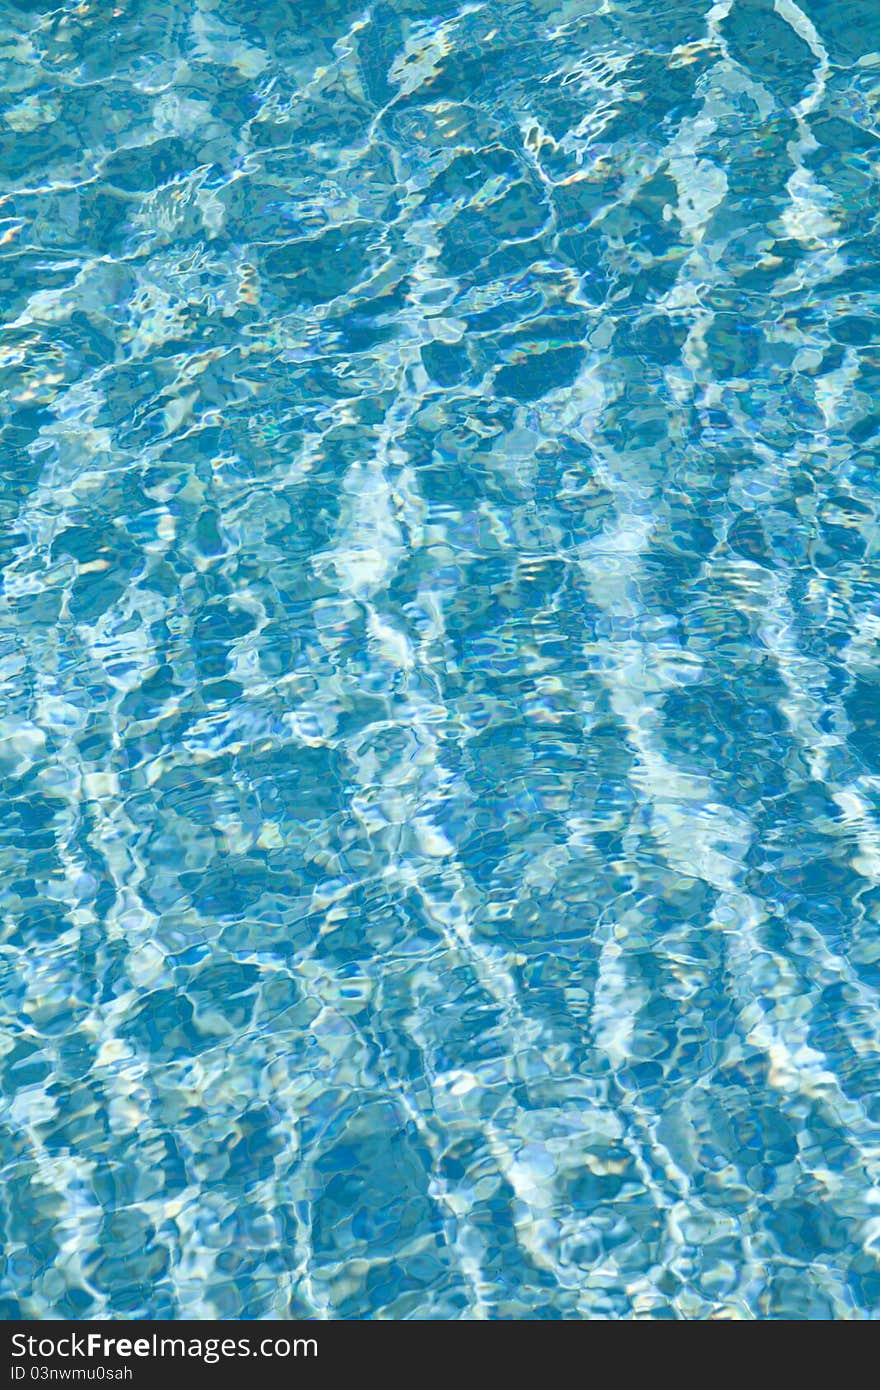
[440, 658]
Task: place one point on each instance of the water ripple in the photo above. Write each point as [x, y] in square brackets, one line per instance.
[438, 652]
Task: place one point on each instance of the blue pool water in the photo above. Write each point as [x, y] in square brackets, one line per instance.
[440, 659]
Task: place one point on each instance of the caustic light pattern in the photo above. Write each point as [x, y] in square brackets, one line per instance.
[440, 659]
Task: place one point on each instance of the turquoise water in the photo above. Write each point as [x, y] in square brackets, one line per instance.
[439, 623]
